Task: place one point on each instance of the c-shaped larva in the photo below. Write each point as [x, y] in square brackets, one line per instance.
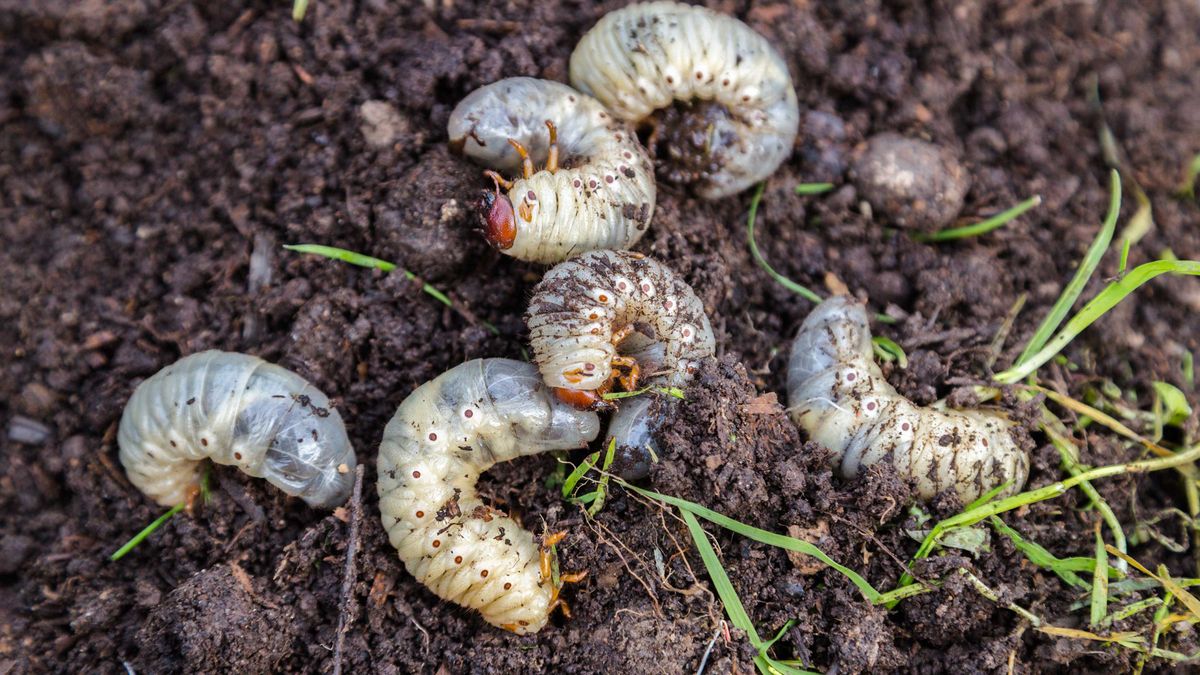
[239, 410]
[643, 57]
[839, 396]
[586, 307]
[441, 438]
[597, 188]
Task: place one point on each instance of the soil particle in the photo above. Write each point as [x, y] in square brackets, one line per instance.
[910, 183]
[220, 620]
[14, 551]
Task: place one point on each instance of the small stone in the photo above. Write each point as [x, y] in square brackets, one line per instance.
[382, 125]
[910, 183]
[22, 429]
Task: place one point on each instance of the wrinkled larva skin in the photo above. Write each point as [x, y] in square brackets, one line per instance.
[442, 437]
[580, 303]
[602, 195]
[239, 410]
[643, 57]
[839, 396]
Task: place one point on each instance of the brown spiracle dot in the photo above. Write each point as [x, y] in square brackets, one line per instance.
[237, 456]
[484, 574]
[531, 196]
[432, 436]
[850, 377]
[507, 586]
[416, 474]
[458, 560]
[204, 442]
[437, 543]
[871, 405]
[468, 413]
[420, 514]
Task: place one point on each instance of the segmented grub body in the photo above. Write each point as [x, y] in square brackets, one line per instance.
[602, 194]
[239, 410]
[646, 56]
[441, 438]
[840, 397]
[582, 308]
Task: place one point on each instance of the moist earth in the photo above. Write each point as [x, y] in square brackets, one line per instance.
[155, 156]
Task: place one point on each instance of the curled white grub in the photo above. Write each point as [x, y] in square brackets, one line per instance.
[239, 410]
[646, 56]
[596, 189]
[839, 396]
[446, 433]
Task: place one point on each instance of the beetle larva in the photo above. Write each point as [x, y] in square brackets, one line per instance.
[239, 410]
[588, 308]
[441, 438]
[839, 396]
[643, 57]
[601, 195]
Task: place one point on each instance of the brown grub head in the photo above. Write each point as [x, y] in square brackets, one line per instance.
[499, 221]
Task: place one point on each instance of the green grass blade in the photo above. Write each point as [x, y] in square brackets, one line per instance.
[1090, 261]
[367, 261]
[572, 479]
[1045, 559]
[787, 283]
[1187, 188]
[887, 350]
[299, 7]
[798, 289]
[343, 255]
[146, 532]
[1099, 581]
[1056, 489]
[732, 602]
[989, 495]
[813, 188]
[982, 227]
[1105, 300]
[762, 536]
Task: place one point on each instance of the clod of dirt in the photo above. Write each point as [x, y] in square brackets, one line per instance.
[220, 620]
[426, 221]
[682, 142]
[14, 550]
[382, 124]
[77, 95]
[911, 183]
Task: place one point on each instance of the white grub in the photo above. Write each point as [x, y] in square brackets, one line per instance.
[840, 398]
[597, 193]
[645, 56]
[442, 437]
[587, 310]
[238, 410]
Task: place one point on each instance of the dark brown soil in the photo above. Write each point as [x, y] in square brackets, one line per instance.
[155, 155]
